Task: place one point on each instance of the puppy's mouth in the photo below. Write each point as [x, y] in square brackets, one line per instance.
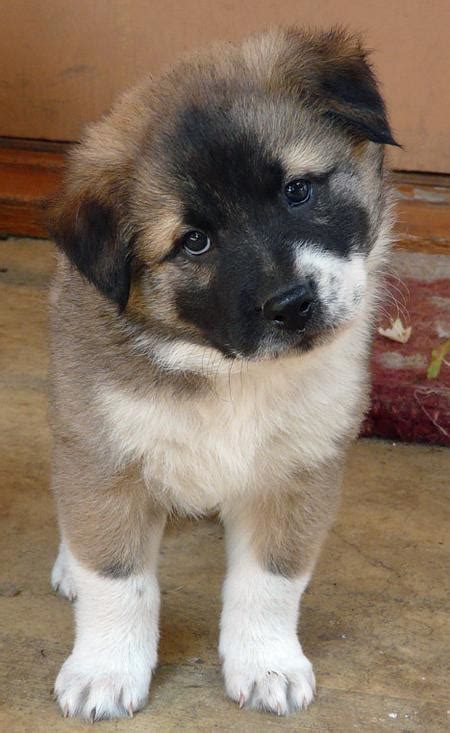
[296, 343]
[255, 337]
[275, 345]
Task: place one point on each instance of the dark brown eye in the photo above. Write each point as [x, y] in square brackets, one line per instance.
[196, 243]
[297, 191]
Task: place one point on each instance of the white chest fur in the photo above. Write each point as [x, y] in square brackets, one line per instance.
[252, 429]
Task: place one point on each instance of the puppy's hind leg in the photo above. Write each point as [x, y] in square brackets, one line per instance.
[273, 542]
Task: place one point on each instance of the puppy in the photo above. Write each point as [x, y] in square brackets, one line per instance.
[221, 235]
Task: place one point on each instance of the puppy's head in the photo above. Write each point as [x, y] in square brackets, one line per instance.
[236, 203]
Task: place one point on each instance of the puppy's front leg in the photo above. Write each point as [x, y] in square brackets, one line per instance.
[112, 541]
[272, 545]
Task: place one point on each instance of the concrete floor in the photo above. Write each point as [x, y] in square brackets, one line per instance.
[374, 622]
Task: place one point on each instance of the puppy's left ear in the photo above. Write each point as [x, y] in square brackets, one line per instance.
[332, 72]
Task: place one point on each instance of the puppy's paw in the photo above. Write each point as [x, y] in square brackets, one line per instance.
[280, 686]
[61, 578]
[87, 690]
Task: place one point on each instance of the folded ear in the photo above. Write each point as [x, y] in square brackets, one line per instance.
[331, 70]
[88, 231]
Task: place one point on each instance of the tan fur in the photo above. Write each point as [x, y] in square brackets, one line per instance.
[101, 168]
[107, 517]
[286, 526]
[149, 417]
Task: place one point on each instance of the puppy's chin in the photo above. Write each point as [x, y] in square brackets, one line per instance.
[272, 347]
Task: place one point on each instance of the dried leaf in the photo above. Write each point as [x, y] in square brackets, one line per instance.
[397, 332]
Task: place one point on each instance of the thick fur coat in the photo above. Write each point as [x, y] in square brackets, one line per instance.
[222, 234]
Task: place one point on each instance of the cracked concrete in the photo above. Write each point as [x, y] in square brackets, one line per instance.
[374, 620]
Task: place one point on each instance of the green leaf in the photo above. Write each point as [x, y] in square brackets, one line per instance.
[437, 357]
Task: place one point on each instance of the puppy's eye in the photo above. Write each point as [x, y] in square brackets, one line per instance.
[297, 191]
[196, 243]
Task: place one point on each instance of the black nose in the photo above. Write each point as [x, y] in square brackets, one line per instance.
[291, 309]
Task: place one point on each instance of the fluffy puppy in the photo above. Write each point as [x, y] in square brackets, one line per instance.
[221, 234]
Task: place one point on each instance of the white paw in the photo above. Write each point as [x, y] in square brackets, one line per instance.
[276, 684]
[86, 689]
[61, 579]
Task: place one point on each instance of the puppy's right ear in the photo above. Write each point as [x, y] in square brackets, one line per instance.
[88, 230]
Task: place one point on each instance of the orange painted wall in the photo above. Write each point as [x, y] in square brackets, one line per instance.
[62, 62]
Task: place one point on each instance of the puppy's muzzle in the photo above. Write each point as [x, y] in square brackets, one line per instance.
[291, 309]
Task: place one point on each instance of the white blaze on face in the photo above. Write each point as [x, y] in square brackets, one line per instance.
[341, 282]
